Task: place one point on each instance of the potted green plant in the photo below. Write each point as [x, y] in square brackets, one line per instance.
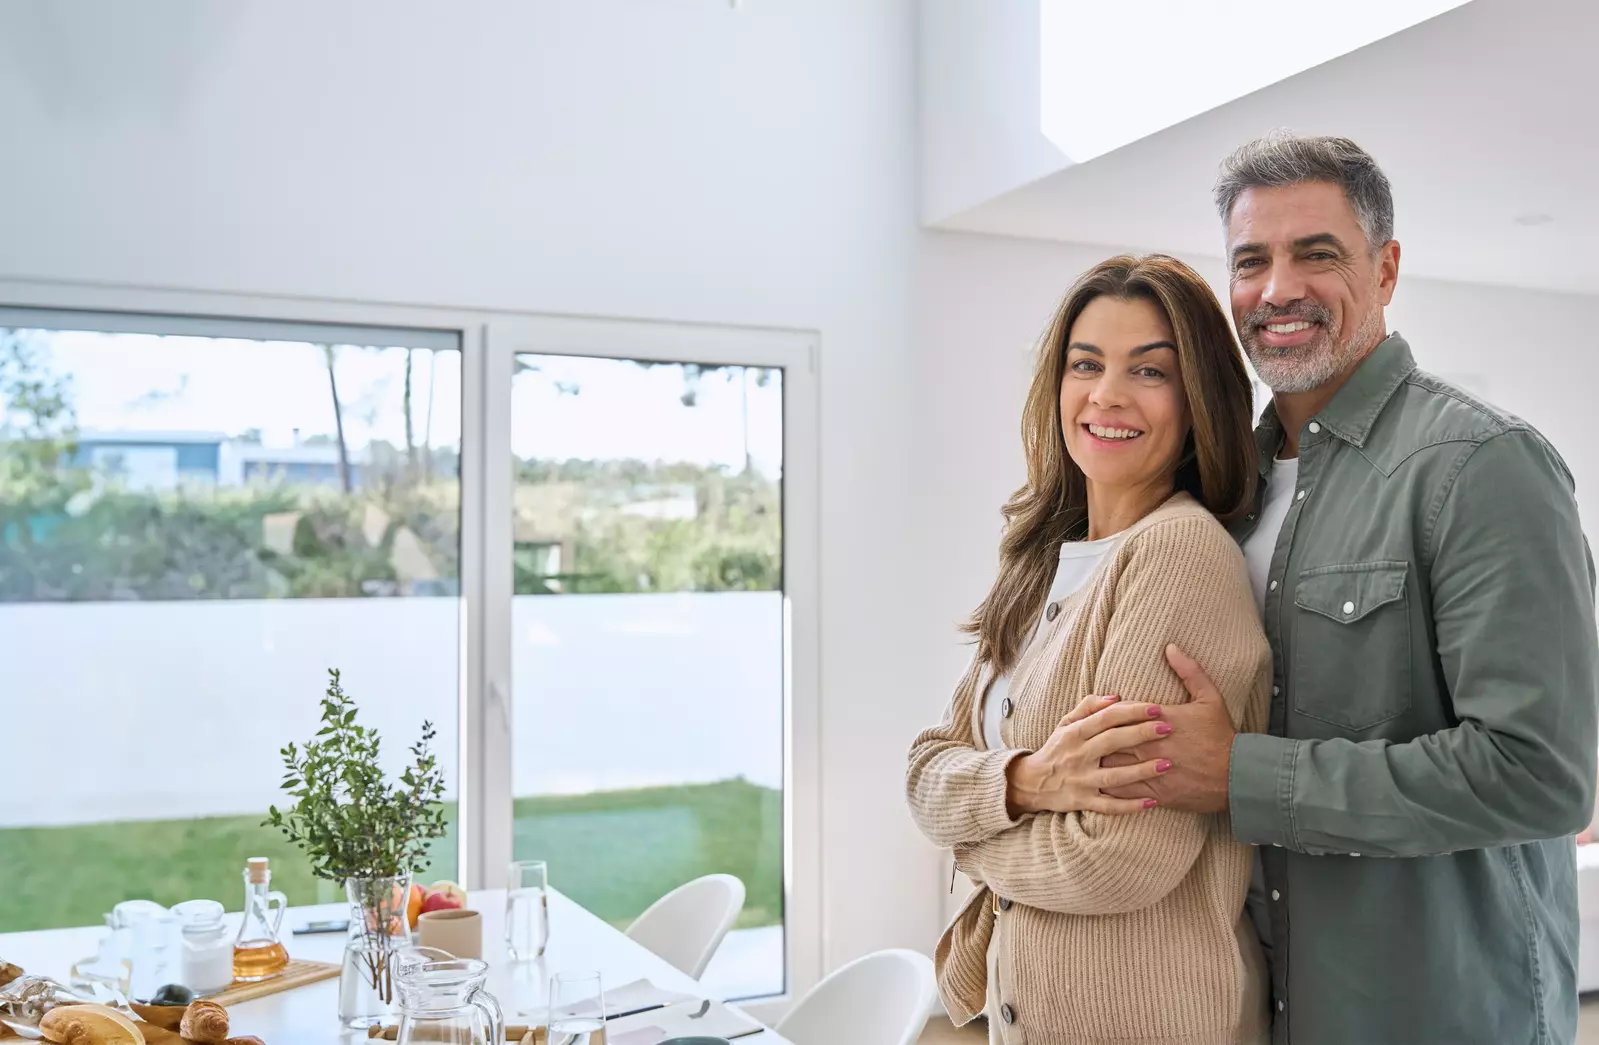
[358, 828]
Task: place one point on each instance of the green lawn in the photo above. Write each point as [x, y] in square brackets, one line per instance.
[613, 852]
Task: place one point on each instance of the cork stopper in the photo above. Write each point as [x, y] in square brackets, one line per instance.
[255, 870]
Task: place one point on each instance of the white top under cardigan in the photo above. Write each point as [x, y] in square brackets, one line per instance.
[1078, 561]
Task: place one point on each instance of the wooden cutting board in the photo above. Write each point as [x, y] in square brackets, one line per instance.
[154, 1035]
[297, 973]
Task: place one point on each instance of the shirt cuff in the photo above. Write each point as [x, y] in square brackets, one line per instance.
[986, 802]
[1260, 789]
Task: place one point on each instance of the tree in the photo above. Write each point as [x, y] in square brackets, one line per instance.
[338, 421]
[410, 432]
[37, 440]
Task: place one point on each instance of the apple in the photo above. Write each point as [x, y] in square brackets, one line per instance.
[413, 905]
[443, 896]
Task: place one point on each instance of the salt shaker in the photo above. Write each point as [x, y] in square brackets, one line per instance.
[207, 947]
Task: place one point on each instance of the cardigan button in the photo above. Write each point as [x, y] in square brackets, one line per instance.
[1052, 611]
[1006, 706]
[1007, 1013]
[1004, 903]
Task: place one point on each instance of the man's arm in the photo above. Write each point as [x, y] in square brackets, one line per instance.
[1513, 607]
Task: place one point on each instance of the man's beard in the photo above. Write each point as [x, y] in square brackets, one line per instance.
[1303, 368]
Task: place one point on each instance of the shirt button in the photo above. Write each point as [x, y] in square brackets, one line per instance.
[1004, 903]
[1006, 707]
[1354, 854]
[1349, 608]
[1272, 586]
[1276, 692]
[1052, 611]
[1300, 496]
[1250, 517]
[1275, 895]
[1314, 428]
[1007, 1013]
[1279, 1006]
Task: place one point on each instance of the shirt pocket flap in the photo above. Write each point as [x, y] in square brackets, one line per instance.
[1346, 593]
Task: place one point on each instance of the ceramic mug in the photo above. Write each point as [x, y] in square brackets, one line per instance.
[456, 930]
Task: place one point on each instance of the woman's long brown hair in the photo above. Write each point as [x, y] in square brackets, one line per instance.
[1217, 466]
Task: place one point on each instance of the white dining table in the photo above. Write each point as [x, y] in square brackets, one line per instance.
[579, 942]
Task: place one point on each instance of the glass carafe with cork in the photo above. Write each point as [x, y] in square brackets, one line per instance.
[257, 952]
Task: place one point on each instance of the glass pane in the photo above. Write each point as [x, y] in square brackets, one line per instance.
[648, 639]
[193, 530]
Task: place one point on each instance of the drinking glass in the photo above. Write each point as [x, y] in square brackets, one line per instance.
[527, 910]
[577, 1009]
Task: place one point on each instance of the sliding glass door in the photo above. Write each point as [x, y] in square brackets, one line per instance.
[648, 637]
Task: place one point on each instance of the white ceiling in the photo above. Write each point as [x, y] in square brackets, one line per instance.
[1483, 115]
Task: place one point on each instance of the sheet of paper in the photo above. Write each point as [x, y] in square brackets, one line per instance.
[638, 996]
[687, 1019]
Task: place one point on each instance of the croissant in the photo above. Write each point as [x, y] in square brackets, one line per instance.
[8, 972]
[89, 1025]
[205, 1022]
[248, 1039]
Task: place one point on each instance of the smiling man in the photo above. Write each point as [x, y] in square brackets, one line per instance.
[1429, 597]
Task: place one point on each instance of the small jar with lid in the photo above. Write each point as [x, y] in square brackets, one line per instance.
[207, 947]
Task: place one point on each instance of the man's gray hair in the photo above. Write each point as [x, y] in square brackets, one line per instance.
[1282, 159]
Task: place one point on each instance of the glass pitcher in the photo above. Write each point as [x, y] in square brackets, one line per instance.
[445, 1002]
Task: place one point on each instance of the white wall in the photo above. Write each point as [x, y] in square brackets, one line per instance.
[669, 158]
[979, 75]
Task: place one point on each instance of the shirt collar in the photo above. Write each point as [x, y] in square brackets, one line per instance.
[1354, 407]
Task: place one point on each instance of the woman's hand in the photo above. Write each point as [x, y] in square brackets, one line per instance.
[1064, 776]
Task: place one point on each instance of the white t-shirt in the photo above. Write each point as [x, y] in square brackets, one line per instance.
[1259, 545]
[1258, 549]
[1078, 561]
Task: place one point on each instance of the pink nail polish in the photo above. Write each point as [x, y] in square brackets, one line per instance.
[1161, 765]
[1163, 728]
[1154, 712]
[1150, 803]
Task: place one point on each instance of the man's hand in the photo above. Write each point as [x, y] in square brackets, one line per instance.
[1199, 747]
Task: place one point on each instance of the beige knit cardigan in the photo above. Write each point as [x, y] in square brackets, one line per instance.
[1105, 928]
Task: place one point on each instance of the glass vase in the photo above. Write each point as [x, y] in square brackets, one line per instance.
[378, 930]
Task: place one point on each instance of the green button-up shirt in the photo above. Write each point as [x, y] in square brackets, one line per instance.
[1432, 740]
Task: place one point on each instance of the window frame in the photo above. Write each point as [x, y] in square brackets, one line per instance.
[489, 340]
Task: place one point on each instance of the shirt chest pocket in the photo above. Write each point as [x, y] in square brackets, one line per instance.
[1351, 663]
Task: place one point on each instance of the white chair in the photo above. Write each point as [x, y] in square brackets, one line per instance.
[881, 999]
[687, 924]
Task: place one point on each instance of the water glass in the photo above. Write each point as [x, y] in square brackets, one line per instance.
[577, 1009]
[527, 910]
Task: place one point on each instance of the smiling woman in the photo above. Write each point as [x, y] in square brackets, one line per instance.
[1137, 431]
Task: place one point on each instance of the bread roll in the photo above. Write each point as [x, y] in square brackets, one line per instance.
[89, 1025]
[205, 1022]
